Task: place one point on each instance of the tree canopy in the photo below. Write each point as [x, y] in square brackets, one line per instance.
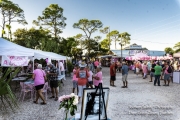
[52, 19]
[10, 12]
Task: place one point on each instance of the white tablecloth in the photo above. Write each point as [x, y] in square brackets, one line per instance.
[19, 79]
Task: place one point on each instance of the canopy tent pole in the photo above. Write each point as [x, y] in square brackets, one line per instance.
[33, 63]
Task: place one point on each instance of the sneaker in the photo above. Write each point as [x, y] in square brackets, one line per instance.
[164, 85]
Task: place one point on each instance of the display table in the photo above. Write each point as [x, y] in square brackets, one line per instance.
[18, 80]
[176, 77]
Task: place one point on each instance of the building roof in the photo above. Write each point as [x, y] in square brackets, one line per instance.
[135, 47]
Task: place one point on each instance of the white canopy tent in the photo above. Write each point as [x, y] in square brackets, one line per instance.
[176, 54]
[9, 48]
[38, 54]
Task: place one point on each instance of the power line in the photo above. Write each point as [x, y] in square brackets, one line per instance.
[151, 41]
[160, 31]
[158, 21]
[158, 27]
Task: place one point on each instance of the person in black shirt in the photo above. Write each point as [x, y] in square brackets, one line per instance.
[53, 73]
[152, 70]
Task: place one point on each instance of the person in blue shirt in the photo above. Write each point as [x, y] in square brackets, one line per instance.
[125, 70]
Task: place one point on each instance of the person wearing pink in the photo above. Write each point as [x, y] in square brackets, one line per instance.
[39, 77]
[145, 70]
[74, 79]
[96, 63]
[97, 77]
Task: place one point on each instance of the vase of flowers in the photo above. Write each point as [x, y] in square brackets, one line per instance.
[69, 103]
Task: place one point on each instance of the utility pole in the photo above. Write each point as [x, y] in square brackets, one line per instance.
[109, 40]
[121, 48]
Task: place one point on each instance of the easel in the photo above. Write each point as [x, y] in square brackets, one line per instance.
[92, 102]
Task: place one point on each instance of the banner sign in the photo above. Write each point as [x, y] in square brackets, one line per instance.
[14, 61]
[134, 52]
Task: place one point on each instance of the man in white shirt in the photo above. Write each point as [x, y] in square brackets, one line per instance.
[61, 68]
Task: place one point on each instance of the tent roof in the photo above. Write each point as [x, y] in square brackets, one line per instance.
[42, 54]
[176, 54]
[9, 48]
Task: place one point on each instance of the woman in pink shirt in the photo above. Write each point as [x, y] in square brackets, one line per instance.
[97, 77]
[145, 70]
[74, 79]
[39, 77]
[96, 63]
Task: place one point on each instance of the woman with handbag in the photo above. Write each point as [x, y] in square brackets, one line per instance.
[39, 78]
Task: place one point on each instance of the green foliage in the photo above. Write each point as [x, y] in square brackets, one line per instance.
[69, 66]
[69, 106]
[177, 47]
[114, 36]
[11, 12]
[125, 38]
[52, 19]
[32, 38]
[8, 98]
[169, 50]
[105, 43]
[88, 27]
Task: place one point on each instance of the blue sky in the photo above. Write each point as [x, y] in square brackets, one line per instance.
[154, 24]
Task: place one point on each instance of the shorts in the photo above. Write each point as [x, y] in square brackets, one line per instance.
[80, 88]
[62, 72]
[152, 74]
[166, 76]
[90, 82]
[124, 77]
[38, 87]
[137, 70]
[54, 84]
[113, 78]
[75, 84]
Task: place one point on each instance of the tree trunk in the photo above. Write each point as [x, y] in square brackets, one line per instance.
[3, 24]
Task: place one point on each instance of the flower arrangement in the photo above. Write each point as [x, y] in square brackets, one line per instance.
[69, 102]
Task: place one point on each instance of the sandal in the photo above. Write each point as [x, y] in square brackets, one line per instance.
[43, 103]
[35, 102]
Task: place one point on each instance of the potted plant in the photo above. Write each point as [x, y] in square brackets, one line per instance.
[7, 97]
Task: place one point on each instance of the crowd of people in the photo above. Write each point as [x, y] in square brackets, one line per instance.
[89, 74]
[156, 69]
[86, 75]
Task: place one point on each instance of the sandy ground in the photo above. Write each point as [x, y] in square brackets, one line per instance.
[140, 101]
